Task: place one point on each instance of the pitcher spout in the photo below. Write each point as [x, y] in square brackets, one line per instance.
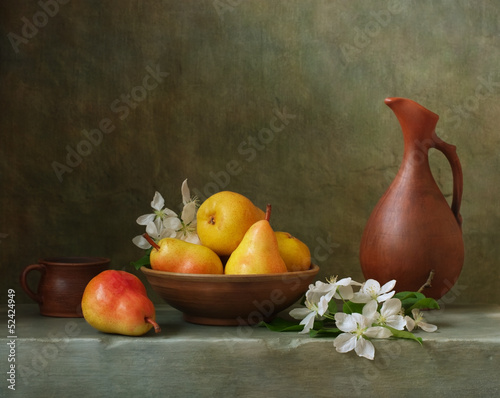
[416, 121]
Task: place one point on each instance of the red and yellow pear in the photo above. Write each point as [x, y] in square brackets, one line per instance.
[176, 255]
[117, 302]
[258, 251]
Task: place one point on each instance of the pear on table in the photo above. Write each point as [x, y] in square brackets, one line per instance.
[258, 251]
[176, 255]
[117, 302]
[223, 219]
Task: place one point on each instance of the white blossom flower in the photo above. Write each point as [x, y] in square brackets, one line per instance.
[418, 322]
[159, 212]
[157, 231]
[162, 223]
[313, 310]
[165, 223]
[187, 228]
[371, 290]
[357, 330]
[390, 314]
[341, 289]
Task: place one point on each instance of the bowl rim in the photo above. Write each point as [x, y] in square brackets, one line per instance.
[313, 270]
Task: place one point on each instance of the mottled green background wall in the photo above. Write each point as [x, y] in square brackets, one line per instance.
[281, 101]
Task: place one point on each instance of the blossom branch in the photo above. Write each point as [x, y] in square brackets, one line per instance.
[428, 282]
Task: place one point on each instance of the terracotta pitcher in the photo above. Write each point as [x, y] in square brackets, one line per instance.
[413, 233]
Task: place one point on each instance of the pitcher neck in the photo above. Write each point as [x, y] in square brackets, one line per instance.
[418, 123]
[416, 155]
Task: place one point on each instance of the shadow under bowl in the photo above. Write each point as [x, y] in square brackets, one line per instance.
[209, 299]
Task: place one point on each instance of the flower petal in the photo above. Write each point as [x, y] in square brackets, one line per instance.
[396, 322]
[410, 323]
[321, 287]
[193, 238]
[344, 292]
[172, 223]
[344, 342]
[386, 296]
[189, 213]
[365, 348]
[145, 219]
[140, 241]
[360, 297]
[344, 282]
[152, 230]
[168, 213]
[391, 307]
[314, 296]
[427, 327]
[323, 305]
[186, 194]
[158, 201]
[370, 310]
[378, 332]
[299, 313]
[167, 233]
[308, 322]
[388, 286]
[345, 322]
[362, 320]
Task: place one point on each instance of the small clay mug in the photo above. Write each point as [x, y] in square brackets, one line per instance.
[62, 283]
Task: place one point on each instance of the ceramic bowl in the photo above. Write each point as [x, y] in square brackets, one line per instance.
[209, 299]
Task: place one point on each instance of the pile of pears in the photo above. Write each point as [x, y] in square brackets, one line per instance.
[236, 238]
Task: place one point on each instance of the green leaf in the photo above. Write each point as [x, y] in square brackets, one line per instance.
[350, 307]
[426, 303]
[324, 332]
[282, 325]
[407, 295]
[403, 334]
[411, 300]
[332, 307]
[143, 261]
[408, 303]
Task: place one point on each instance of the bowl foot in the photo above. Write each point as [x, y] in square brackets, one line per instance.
[200, 320]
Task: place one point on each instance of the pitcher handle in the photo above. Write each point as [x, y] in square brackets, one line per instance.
[33, 267]
[450, 151]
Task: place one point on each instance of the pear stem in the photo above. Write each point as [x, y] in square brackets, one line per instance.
[151, 241]
[152, 322]
[268, 212]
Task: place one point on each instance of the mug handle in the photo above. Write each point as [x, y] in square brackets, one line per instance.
[33, 267]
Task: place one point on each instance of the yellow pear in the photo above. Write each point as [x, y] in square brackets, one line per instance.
[175, 255]
[293, 251]
[223, 219]
[257, 253]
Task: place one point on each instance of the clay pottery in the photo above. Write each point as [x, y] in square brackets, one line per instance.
[210, 299]
[62, 282]
[413, 233]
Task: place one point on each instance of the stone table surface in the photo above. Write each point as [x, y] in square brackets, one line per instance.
[65, 357]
